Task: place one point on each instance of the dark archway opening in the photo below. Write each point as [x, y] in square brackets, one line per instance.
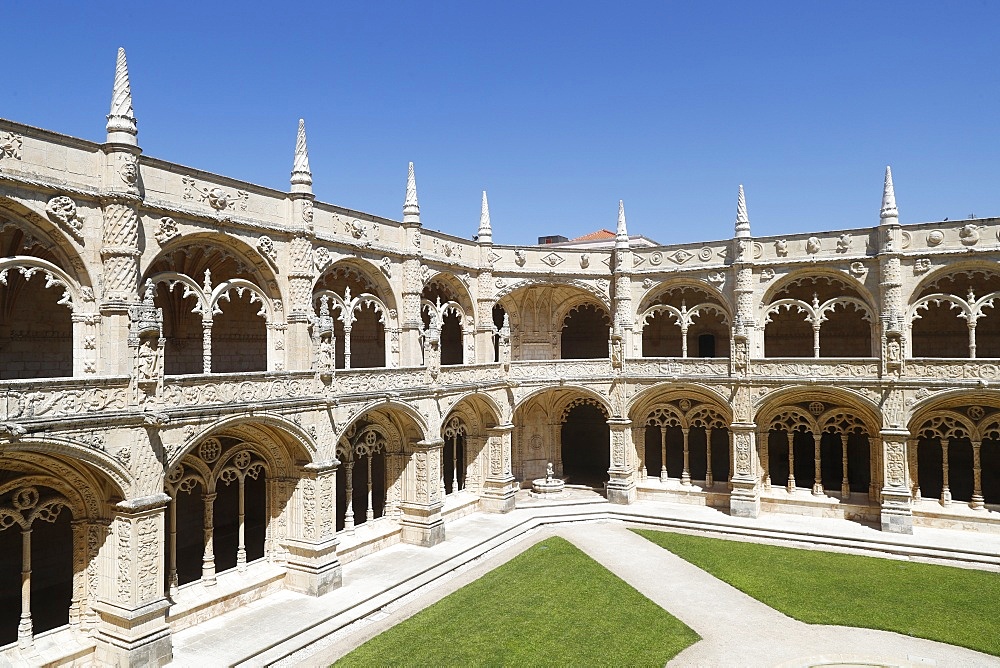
[929, 474]
[706, 345]
[51, 576]
[454, 463]
[451, 339]
[585, 446]
[585, 333]
[989, 458]
[190, 535]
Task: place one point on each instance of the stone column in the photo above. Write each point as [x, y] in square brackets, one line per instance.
[132, 610]
[499, 485]
[312, 564]
[421, 522]
[744, 501]
[897, 515]
[298, 343]
[621, 486]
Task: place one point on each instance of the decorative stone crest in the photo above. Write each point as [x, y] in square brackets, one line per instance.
[705, 254]
[166, 230]
[766, 274]
[307, 212]
[519, 258]
[62, 211]
[584, 261]
[656, 257]
[216, 197]
[10, 145]
[844, 243]
[265, 246]
[813, 245]
[935, 238]
[386, 267]
[921, 265]
[681, 256]
[969, 234]
[322, 258]
[552, 259]
[717, 278]
[859, 269]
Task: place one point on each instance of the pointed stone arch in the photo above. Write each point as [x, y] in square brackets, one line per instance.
[797, 310]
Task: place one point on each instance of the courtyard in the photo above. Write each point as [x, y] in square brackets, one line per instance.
[398, 582]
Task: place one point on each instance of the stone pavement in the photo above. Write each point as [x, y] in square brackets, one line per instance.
[379, 590]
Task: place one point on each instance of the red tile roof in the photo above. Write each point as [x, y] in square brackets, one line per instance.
[594, 236]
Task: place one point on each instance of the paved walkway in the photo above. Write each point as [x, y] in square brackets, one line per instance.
[379, 590]
[738, 630]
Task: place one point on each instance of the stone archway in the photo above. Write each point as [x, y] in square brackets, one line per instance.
[583, 443]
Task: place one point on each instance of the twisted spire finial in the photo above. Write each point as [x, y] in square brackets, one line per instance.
[485, 227]
[621, 239]
[889, 213]
[742, 219]
[301, 174]
[121, 121]
[411, 208]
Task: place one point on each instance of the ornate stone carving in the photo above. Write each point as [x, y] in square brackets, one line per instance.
[969, 234]
[935, 238]
[813, 245]
[10, 145]
[681, 256]
[895, 464]
[781, 248]
[265, 246]
[844, 243]
[62, 211]
[553, 259]
[216, 197]
[166, 230]
[921, 265]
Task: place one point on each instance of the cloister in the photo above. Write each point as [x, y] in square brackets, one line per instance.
[212, 390]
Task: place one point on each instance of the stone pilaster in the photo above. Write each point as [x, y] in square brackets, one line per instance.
[132, 610]
[499, 485]
[621, 486]
[897, 513]
[421, 522]
[311, 549]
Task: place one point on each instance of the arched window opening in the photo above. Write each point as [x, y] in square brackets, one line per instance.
[182, 328]
[585, 333]
[361, 488]
[36, 563]
[684, 321]
[817, 316]
[217, 515]
[367, 337]
[357, 333]
[454, 461]
[499, 315]
[585, 444]
[239, 335]
[215, 314]
[445, 299]
[36, 332]
[955, 317]
[687, 442]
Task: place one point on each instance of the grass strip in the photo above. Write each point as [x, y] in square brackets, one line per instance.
[550, 605]
[943, 603]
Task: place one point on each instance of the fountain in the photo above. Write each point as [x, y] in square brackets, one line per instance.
[547, 486]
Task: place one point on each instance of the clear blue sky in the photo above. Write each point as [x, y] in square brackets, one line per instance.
[558, 109]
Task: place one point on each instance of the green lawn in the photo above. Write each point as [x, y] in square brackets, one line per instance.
[552, 604]
[951, 605]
